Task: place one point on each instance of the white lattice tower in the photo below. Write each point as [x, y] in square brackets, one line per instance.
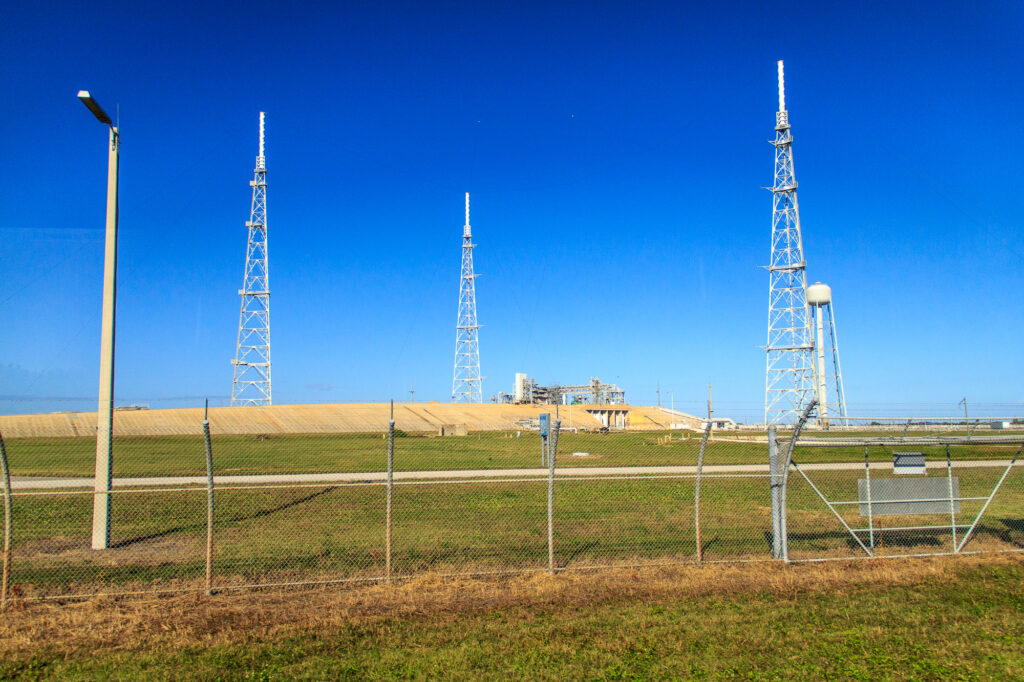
[789, 374]
[466, 381]
[251, 384]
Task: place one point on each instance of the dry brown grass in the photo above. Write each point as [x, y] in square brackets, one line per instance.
[125, 624]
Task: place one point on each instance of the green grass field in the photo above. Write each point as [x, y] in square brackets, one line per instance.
[308, 453]
[273, 534]
[905, 620]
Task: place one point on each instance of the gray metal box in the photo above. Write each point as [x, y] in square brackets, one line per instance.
[898, 496]
[908, 463]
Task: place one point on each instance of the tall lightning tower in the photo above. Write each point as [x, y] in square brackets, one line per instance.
[789, 374]
[466, 381]
[251, 384]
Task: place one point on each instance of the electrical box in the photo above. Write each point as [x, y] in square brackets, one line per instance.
[909, 496]
[908, 463]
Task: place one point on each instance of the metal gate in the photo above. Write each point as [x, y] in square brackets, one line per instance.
[890, 500]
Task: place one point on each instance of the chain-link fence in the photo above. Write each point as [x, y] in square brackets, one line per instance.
[286, 507]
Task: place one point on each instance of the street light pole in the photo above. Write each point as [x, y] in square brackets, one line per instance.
[105, 407]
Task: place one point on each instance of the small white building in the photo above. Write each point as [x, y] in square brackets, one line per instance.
[718, 423]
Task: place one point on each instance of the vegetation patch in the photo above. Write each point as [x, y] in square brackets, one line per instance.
[924, 619]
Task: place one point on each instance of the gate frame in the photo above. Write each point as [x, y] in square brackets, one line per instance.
[780, 510]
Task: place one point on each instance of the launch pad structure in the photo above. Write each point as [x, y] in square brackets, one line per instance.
[529, 392]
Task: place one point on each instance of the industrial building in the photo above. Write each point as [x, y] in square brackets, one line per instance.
[528, 392]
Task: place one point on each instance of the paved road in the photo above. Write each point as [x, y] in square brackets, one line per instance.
[810, 441]
[51, 483]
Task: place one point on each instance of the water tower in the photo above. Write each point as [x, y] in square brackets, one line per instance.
[819, 297]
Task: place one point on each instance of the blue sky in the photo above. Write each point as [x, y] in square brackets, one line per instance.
[615, 154]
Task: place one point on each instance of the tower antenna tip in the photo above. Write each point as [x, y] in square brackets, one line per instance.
[262, 133]
[782, 89]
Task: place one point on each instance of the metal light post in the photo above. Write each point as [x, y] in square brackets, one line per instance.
[105, 410]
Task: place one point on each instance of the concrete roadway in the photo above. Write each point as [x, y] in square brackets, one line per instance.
[460, 475]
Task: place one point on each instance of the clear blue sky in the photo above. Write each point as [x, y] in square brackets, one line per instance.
[615, 154]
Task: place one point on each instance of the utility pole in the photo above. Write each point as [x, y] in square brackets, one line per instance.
[412, 392]
[964, 403]
[709, 402]
[659, 392]
[105, 407]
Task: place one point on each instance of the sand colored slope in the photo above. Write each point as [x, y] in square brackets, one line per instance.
[334, 418]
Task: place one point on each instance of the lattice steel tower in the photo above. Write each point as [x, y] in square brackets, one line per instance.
[789, 374]
[251, 384]
[466, 381]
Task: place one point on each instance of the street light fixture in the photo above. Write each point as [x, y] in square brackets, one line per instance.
[94, 107]
[105, 410]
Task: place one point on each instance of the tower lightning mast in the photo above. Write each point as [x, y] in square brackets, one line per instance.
[466, 381]
[789, 374]
[251, 384]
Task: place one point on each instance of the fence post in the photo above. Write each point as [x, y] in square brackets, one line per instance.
[778, 524]
[867, 487]
[785, 473]
[209, 506]
[696, 492]
[552, 449]
[6, 476]
[390, 484]
[952, 505]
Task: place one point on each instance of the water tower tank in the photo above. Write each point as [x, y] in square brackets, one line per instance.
[819, 294]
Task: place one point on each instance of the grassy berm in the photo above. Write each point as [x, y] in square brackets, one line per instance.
[916, 619]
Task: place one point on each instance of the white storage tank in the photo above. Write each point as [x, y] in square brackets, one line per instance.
[819, 294]
[520, 392]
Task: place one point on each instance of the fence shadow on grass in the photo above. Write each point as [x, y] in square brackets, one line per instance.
[196, 527]
[823, 541]
[281, 507]
[578, 552]
[1012, 532]
[709, 544]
